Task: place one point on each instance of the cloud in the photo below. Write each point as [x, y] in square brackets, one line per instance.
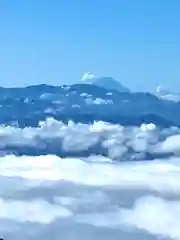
[96, 171]
[97, 101]
[112, 140]
[156, 216]
[79, 192]
[171, 144]
[38, 211]
[95, 195]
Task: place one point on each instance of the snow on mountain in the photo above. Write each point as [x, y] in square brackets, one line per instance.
[88, 77]
[105, 82]
[167, 95]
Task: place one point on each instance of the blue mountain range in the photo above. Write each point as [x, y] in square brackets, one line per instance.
[85, 103]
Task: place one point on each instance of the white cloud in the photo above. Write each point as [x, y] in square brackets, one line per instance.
[116, 141]
[109, 94]
[75, 106]
[46, 189]
[157, 175]
[156, 216]
[85, 95]
[50, 110]
[97, 101]
[93, 190]
[38, 211]
[170, 144]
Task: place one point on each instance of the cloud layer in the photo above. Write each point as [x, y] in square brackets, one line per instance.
[113, 141]
[94, 193]
[101, 197]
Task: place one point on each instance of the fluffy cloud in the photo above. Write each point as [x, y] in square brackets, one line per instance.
[90, 193]
[114, 141]
[97, 101]
[96, 171]
[38, 211]
[156, 216]
[153, 215]
[50, 197]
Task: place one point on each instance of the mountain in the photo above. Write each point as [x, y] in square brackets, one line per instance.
[84, 103]
[167, 95]
[105, 82]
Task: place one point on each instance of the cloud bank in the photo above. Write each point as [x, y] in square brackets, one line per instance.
[76, 139]
[91, 194]
[101, 197]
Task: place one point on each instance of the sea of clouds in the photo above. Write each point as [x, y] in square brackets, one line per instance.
[76, 139]
[120, 195]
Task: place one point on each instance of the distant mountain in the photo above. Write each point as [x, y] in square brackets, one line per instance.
[105, 82]
[84, 103]
[167, 95]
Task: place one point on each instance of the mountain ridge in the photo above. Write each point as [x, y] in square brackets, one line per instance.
[84, 103]
[105, 82]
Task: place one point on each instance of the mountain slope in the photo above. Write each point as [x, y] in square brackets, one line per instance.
[167, 95]
[105, 82]
[84, 103]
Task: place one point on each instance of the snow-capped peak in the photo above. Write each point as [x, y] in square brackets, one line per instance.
[88, 76]
[167, 95]
[105, 82]
[158, 89]
[161, 91]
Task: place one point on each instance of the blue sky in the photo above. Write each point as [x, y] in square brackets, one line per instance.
[55, 41]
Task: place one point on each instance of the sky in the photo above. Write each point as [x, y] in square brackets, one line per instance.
[56, 41]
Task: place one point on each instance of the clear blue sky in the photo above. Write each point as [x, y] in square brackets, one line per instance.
[55, 41]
